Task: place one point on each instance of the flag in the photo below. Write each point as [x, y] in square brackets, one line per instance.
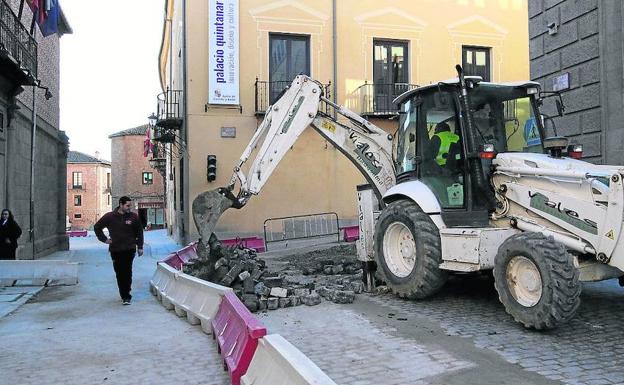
[49, 25]
[46, 14]
[148, 146]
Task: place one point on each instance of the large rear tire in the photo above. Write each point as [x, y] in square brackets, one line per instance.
[408, 251]
[537, 281]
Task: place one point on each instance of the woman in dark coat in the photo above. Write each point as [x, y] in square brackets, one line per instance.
[9, 233]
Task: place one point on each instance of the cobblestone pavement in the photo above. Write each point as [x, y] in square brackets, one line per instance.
[83, 335]
[352, 350]
[587, 350]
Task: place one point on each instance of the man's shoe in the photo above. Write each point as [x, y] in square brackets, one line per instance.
[126, 302]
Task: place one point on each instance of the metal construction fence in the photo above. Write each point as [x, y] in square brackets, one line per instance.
[301, 227]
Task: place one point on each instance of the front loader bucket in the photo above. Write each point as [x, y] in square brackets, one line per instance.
[208, 208]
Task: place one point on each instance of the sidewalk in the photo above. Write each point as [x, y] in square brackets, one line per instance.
[83, 335]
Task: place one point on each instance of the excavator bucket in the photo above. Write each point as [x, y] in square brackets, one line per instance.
[208, 208]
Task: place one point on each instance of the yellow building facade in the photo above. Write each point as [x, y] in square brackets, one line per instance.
[367, 52]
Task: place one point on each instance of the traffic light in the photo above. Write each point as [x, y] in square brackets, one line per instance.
[212, 168]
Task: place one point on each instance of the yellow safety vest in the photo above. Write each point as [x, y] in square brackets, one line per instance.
[446, 139]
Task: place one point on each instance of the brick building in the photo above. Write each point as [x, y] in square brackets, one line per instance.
[133, 176]
[88, 189]
[576, 48]
[32, 157]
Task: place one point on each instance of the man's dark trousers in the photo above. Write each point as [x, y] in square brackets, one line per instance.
[122, 263]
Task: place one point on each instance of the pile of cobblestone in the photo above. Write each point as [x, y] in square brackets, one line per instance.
[261, 289]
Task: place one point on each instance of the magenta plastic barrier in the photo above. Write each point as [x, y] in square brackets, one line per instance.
[187, 253]
[237, 332]
[174, 261]
[182, 256]
[77, 233]
[351, 233]
[249, 242]
[256, 243]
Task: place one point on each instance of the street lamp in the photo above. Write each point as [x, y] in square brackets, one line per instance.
[152, 119]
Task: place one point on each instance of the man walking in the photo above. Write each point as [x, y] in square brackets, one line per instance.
[126, 237]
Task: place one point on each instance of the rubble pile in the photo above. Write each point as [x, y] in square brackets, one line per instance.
[302, 280]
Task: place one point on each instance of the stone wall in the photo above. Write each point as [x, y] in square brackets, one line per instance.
[50, 157]
[587, 46]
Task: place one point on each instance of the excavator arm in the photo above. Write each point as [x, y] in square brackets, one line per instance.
[367, 146]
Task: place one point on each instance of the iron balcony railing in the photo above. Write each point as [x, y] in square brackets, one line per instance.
[16, 42]
[267, 92]
[376, 99]
[169, 110]
[71, 186]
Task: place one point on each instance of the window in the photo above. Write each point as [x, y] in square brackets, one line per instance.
[390, 72]
[289, 56]
[108, 200]
[77, 179]
[77, 216]
[108, 180]
[77, 200]
[148, 178]
[476, 61]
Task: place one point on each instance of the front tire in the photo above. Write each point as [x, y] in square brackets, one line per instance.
[537, 281]
[408, 251]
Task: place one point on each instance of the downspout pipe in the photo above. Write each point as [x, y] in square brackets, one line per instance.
[187, 209]
[33, 136]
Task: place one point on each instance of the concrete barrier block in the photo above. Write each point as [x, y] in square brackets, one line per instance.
[166, 302]
[39, 272]
[277, 362]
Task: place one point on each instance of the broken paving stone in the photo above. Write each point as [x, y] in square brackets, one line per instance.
[312, 299]
[262, 304]
[272, 303]
[260, 289]
[244, 275]
[251, 302]
[357, 287]
[295, 300]
[350, 269]
[273, 281]
[285, 302]
[382, 290]
[231, 275]
[257, 273]
[326, 292]
[328, 269]
[248, 285]
[337, 269]
[343, 296]
[301, 292]
[221, 262]
[279, 292]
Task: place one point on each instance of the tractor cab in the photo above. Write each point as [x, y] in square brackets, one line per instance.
[450, 149]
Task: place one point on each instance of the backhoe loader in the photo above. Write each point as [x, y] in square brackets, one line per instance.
[470, 182]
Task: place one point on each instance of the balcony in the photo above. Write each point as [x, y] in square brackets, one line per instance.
[268, 92]
[169, 115]
[18, 49]
[375, 100]
[82, 186]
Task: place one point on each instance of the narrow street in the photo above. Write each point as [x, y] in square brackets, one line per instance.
[83, 335]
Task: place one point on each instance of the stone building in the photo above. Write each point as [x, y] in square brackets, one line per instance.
[576, 48]
[134, 177]
[29, 81]
[364, 52]
[88, 189]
